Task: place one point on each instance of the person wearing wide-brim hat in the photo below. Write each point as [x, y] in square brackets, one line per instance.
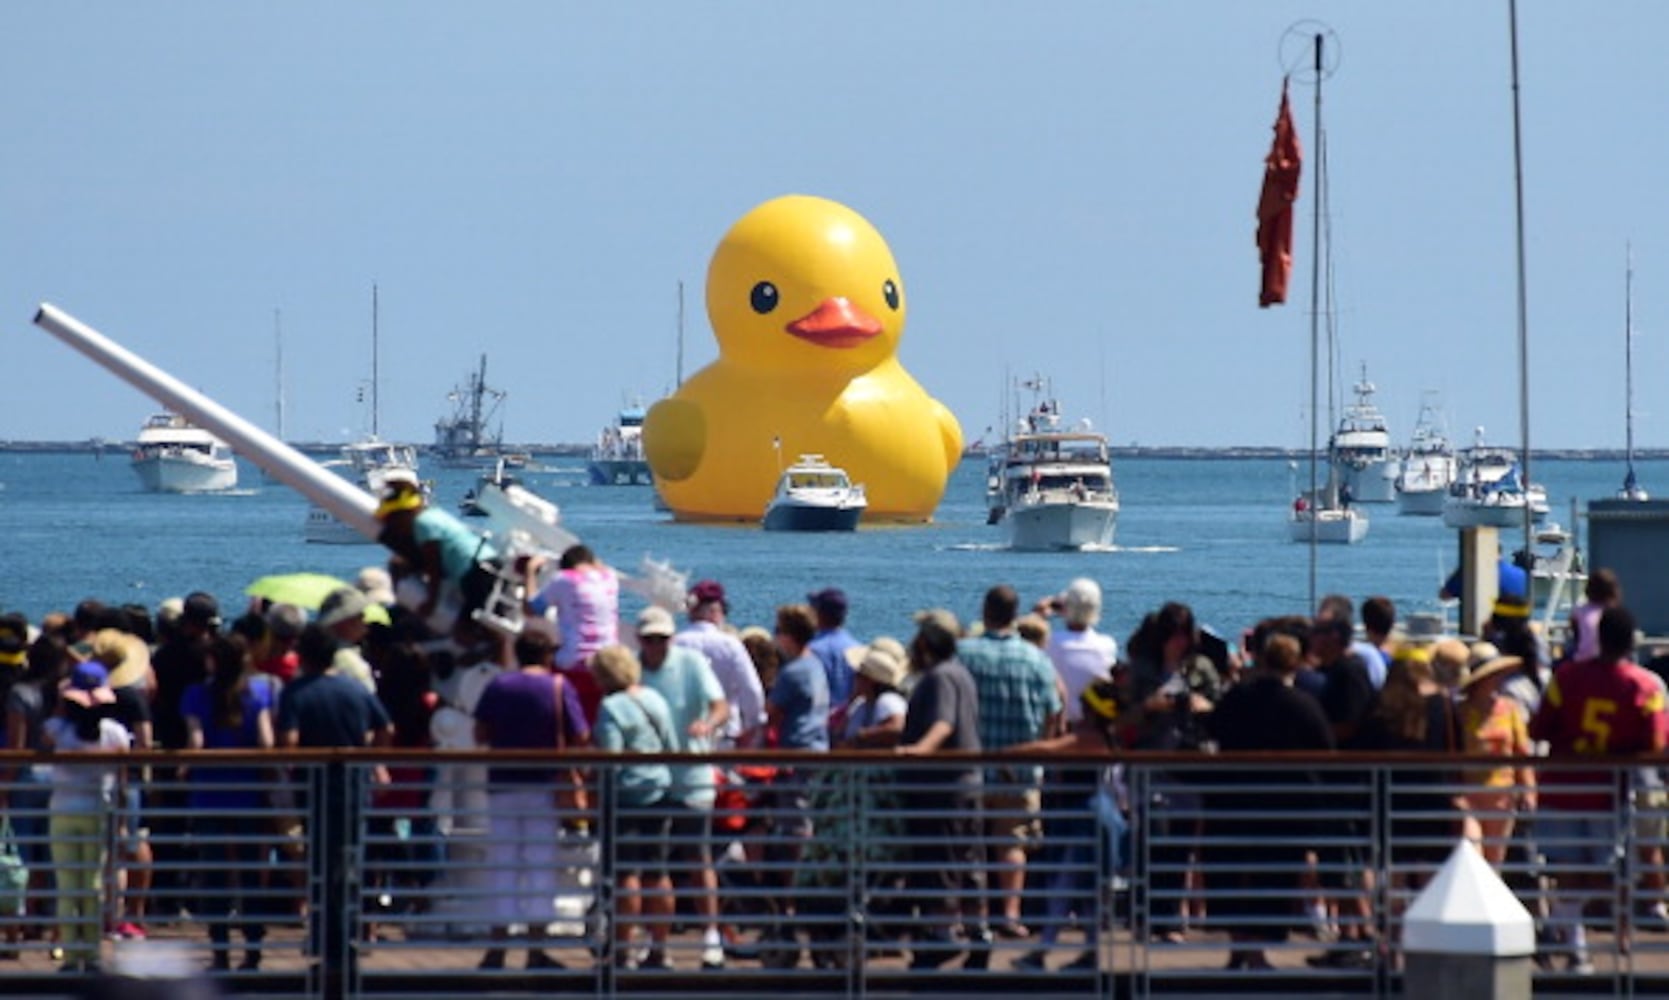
[1494, 724]
[875, 715]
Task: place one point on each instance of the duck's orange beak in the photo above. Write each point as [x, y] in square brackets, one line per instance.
[836, 322]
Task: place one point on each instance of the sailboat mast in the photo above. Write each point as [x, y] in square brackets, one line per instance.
[679, 374]
[1523, 304]
[1315, 321]
[374, 373]
[278, 370]
[1628, 368]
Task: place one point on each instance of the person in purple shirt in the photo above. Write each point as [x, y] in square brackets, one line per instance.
[527, 708]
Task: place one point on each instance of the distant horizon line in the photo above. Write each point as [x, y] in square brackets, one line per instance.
[571, 450]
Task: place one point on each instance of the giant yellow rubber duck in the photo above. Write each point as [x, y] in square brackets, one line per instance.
[808, 309]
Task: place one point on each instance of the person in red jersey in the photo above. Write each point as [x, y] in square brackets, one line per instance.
[1599, 707]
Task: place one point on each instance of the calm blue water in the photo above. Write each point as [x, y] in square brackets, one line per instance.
[1211, 533]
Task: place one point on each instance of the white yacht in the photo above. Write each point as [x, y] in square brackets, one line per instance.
[1428, 466]
[174, 455]
[368, 463]
[1053, 486]
[1489, 491]
[1360, 449]
[813, 495]
[617, 458]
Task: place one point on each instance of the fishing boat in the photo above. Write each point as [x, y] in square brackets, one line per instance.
[465, 438]
[1489, 490]
[1428, 466]
[813, 495]
[1360, 449]
[1052, 485]
[174, 455]
[617, 458]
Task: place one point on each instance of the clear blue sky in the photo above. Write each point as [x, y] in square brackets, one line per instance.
[1068, 187]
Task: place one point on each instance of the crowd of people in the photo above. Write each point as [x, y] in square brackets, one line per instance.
[361, 671]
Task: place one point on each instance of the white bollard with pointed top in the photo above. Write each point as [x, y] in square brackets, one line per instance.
[1467, 936]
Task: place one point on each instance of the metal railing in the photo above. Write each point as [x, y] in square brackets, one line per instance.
[316, 874]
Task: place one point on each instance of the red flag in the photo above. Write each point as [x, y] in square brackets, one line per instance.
[1280, 189]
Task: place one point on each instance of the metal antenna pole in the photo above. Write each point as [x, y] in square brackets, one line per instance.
[1523, 304]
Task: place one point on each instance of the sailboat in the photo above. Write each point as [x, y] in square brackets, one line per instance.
[370, 462]
[1632, 490]
[1322, 515]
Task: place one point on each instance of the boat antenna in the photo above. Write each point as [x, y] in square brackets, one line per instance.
[374, 373]
[1523, 303]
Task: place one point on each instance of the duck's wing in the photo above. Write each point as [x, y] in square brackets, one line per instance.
[674, 438]
[950, 432]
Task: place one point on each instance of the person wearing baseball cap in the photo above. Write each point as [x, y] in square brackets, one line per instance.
[695, 700]
[80, 805]
[709, 634]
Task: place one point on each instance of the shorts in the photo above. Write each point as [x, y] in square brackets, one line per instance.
[1013, 816]
[640, 841]
[1578, 838]
[1651, 817]
[689, 843]
[131, 828]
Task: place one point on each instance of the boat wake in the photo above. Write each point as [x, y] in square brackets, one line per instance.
[1091, 549]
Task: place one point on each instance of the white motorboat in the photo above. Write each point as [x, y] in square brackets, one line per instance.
[1488, 490]
[617, 458]
[1360, 449]
[369, 463]
[813, 495]
[1428, 466]
[1053, 486]
[174, 455]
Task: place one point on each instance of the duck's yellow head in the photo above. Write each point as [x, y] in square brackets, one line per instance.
[805, 284]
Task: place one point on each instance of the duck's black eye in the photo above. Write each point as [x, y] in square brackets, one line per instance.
[890, 291]
[765, 297]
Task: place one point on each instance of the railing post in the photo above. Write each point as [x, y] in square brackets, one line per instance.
[1467, 936]
[336, 841]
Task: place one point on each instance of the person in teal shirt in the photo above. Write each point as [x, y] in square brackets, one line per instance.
[634, 719]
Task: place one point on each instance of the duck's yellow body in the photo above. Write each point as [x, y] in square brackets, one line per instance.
[808, 309]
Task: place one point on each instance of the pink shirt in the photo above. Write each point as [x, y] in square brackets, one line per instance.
[587, 602]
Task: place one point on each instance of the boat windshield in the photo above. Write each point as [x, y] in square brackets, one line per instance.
[816, 481]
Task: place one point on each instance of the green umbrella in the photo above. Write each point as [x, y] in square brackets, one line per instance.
[304, 590]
